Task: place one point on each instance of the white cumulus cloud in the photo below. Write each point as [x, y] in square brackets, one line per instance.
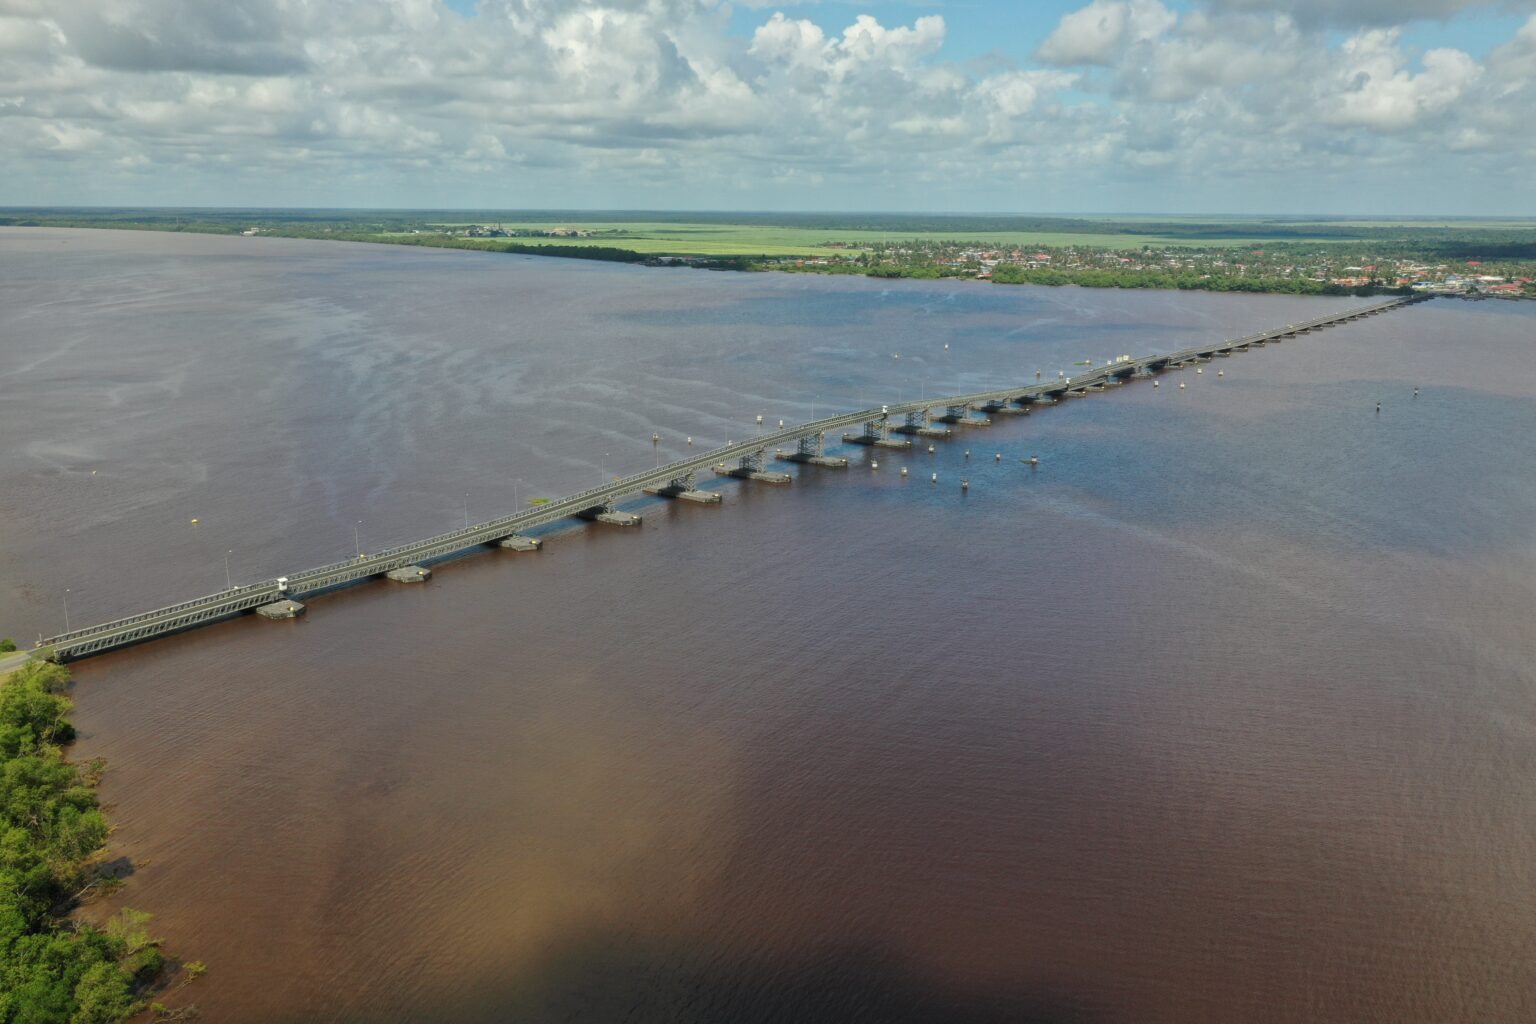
[635, 103]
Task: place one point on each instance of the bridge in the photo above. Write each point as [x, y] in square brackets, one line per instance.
[277, 597]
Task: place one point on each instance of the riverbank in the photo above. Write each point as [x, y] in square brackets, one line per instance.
[54, 967]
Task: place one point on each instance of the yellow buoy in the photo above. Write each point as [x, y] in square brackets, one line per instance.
[194, 522]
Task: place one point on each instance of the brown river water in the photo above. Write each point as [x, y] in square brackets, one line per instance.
[1225, 712]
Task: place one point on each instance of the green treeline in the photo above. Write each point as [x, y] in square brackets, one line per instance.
[606, 253]
[53, 969]
[1006, 273]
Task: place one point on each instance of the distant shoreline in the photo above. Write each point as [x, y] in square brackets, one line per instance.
[747, 262]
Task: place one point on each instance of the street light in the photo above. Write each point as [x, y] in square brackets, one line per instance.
[466, 510]
[515, 482]
[356, 543]
[66, 609]
[602, 468]
[228, 582]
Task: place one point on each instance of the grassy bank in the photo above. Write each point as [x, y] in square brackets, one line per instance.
[52, 833]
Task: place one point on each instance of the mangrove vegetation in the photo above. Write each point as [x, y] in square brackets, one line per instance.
[55, 969]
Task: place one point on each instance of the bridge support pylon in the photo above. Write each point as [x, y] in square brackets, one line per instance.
[750, 467]
[919, 423]
[683, 488]
[1003, 405]
[877, 432]
[811, 450]
[960, 414]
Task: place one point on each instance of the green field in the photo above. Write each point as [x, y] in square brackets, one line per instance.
[657, 239]
[672, 238]
[747, 235]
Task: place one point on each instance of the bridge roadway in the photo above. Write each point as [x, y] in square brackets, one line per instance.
[234, 601]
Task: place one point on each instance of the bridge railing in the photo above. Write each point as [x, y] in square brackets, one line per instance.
[222, 596]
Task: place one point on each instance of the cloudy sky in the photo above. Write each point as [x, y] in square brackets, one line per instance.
[1268, 106]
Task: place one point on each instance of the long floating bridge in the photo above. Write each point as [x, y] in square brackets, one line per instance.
[277, 597]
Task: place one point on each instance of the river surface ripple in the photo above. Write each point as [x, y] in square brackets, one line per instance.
[1225, 712]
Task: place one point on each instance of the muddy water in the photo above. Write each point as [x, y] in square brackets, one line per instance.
[1223, 712]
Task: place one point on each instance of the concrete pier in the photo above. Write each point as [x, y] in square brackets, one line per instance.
[516, 543]
[764, 476]
[611, 516]
[940, 432]
[829, 461]
[878, 442]
[281, 610]
[686, 494]
[409, 574]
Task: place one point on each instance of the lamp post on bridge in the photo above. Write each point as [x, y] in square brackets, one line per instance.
[228, 581]
[66, 609]
[466, 510]
[515, 482]
[356, 542]
[602, 468]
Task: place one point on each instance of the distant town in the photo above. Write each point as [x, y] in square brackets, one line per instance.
[1316, 269]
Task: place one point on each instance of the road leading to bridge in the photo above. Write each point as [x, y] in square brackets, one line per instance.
[875, 422]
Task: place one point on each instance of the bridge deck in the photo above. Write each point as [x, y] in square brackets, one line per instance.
[213, 607]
